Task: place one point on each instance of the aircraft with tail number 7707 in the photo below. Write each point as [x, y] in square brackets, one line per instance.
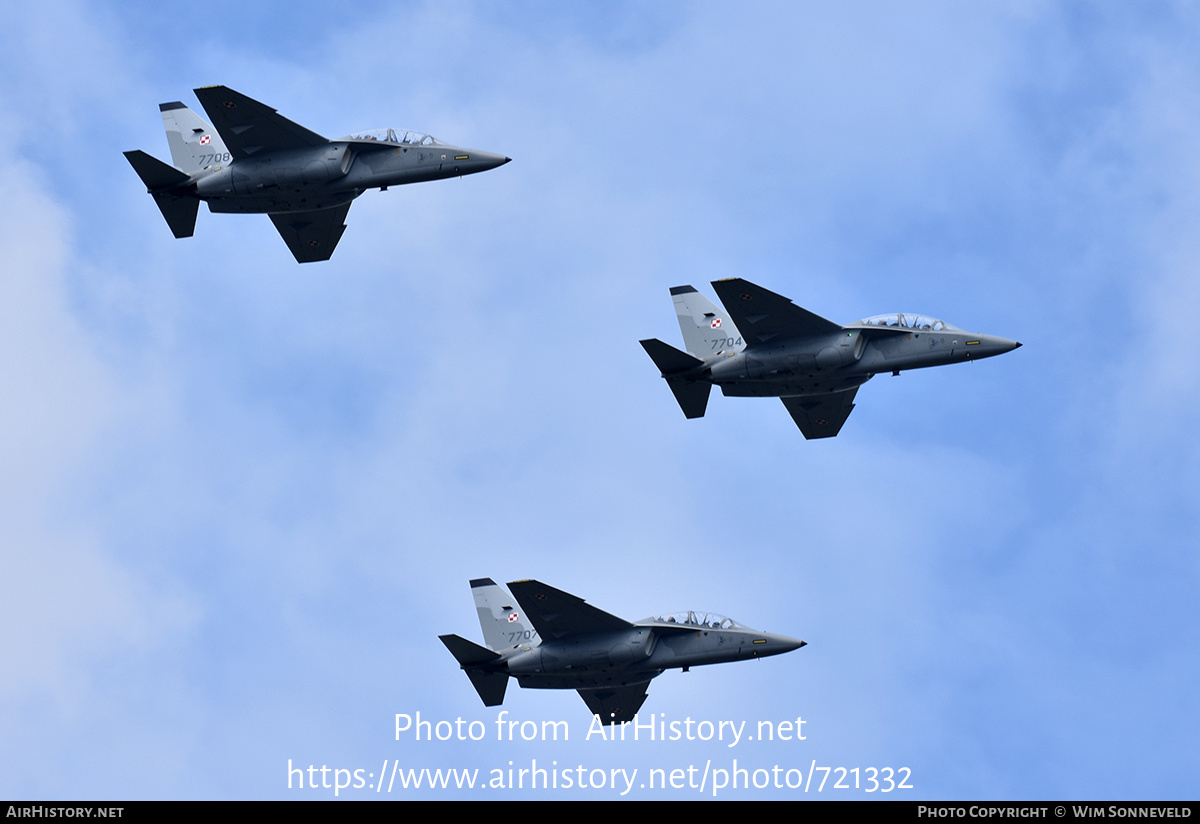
[550, 639]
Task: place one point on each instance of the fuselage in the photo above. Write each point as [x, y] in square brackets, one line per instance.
[322, 177]
[638, 654]
[840, 361]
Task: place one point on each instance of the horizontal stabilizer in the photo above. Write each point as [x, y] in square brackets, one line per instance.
[691, 395]
[490, 684]
[179, 212]
[468, 654]
[153, 172]
[166, 184]
[668, 359]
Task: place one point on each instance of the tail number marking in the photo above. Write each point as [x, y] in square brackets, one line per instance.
[722, 343]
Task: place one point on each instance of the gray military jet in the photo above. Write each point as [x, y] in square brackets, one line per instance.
[556, 641]
[763, 345]
[258, 161]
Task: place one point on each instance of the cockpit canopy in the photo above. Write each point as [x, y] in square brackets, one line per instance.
[920, 323]
[706, 620]
[404, 137]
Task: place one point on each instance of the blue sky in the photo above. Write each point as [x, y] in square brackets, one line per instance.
[240, 498]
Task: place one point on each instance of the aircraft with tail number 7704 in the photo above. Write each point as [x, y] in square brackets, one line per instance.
[763, 345]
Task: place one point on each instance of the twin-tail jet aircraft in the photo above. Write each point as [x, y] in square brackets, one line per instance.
[251, 159]
[549, 639]
[763, 345]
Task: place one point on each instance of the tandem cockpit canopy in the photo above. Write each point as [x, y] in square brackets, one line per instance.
[707, 620]
[919, 323]
[403, 137]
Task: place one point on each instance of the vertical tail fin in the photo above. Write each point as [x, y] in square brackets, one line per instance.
[195, 145]
[503, 628]
[706, 328]
[502, 622]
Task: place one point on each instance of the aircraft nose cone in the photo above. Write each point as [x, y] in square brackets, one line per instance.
[782, 643]
[472, 161]
[986, 346]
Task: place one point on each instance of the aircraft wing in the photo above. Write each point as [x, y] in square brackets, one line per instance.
[763, 316]
[617, 705]
[821, 416]
[557, 615]
[249, 127]
[312, 236]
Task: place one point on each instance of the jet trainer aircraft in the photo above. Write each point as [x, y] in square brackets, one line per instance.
[552, 640]
[763, 345]
[258, 161]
